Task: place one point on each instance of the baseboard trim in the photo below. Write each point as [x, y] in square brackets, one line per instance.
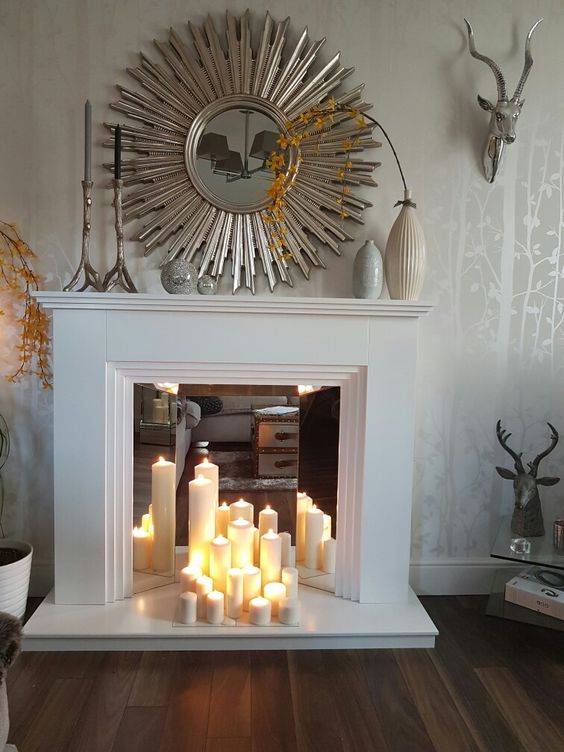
[456, 576]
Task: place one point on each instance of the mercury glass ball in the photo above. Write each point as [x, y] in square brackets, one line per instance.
[207, 285]
[178, 277]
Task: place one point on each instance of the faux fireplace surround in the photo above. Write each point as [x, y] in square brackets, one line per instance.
[104, 343]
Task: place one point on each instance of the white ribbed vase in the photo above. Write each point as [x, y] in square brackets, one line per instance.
[405, 258]
[14, 579]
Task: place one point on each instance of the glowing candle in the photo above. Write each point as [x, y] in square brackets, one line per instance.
[241, 534]
[270, 557]
[146, 523]
[268, 520]
[251, 585]
[142, 549]
[215, 607]
[303, 503]
[234, 592]
[222, 517]
[220, 561]
[210, 471]
[289, 612]
[329, 555]
[326, 526]
[259, 611]
[256, 547]
[242, 509]
[201, 521]
[290, 580]
[188, 577]
[204, 585]
[187, 607]
[314, 538]
[163, 495]
[274, 592]
[286, 542]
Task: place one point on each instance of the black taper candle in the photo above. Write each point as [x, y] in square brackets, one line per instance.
[117, 153]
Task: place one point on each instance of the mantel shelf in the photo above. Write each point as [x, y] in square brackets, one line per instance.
[231, 304]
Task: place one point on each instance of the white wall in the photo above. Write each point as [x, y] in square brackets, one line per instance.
[495, 346]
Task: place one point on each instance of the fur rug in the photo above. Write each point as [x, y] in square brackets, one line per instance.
[10, 641]
[236, 474]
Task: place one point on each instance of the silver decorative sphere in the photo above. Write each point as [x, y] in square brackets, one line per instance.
[207, 285]
[178, 277]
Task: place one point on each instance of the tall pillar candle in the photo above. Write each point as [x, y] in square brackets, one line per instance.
[242, 509]
[303, 503]
[270, 557]
[222, 517]
[215, 607]
[256, 547]
[188, 577]
[290, 581]
[220, 561]
[286, 539]
[163, 508]
[326, 526]
[274, 592]
[241, 534]
[329, 555]
[234, 592]
[201, 521]
[204, 585]
[314, 538]
[211, 472]
[268, 520]
[251, 585]
[142, 549]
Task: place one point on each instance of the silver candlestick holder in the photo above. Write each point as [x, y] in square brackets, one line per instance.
[118, 275]
[91, 276]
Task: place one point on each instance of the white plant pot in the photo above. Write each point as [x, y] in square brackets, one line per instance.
[14, 579]
[405, 257]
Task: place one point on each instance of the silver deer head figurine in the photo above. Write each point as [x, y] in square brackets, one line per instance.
[505, 112]
[527, 516]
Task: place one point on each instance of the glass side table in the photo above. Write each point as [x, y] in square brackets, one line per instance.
[542, 553]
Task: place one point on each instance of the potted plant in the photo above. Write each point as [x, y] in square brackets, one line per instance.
[15, 555]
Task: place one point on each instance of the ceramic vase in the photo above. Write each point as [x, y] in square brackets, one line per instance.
[14, 577]
[368, 271]
[405, 258]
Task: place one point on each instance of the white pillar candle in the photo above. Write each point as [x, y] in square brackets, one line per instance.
[146, 522]
[270, 557]
[292, 557]
[234, 592]
[268, 520]
[188, 577]
[326, 526]
[260, 611]
[274, 592]
[142, 549]
[303, 503]
[157, 410]
[241, 534]
[251, 585]
[290, 581]
[211, 472]
[329, 555]
[314, 538]
[289, 612]
[204, 585]
[163, 495]
[222, 517]
[256, 547]
[165, 402]
[286, 540]
[187, 607]
[215, 607]
[220, 561]
[242, 509]
[201, 521]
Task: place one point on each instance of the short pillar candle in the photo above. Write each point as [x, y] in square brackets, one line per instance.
[329, 555]
[241, 534]
[204, 585]
[314, 538]
[220, 561]
[215, 607]
[274, 591]
[142, 549]
[270, 557]
[289, 611]
[187, 607]
[234, 592]
[242, 509]
[290, 581]
[251, 585]
[260, 611]
[188, 577]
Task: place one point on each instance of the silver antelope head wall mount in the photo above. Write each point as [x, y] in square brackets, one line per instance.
[505, 112]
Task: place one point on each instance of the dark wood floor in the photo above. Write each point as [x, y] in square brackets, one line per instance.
[490, 685]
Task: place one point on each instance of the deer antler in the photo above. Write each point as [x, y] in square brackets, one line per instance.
[528, 63]
[534, 465]
[499, 79]
[502, 437]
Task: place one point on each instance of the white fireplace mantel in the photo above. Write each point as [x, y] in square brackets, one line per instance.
[104, 343]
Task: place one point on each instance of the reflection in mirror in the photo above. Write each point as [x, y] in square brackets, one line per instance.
[231, 155]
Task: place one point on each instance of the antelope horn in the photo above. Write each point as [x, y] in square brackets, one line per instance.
[499, 79]
[534, 465]
[502, 437]
[528, 63]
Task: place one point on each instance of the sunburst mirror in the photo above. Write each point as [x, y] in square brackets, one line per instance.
[201, 178]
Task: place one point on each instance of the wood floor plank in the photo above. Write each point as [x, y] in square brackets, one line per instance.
[77, 665]
[99, 721]
[230, 701]
[399, 718]
[28, 690]
[445, 726]
[532, 726]
[272, 716]
[52, 727]
[228, 745]
[153, 679]
[140, 729]
[186, 722]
